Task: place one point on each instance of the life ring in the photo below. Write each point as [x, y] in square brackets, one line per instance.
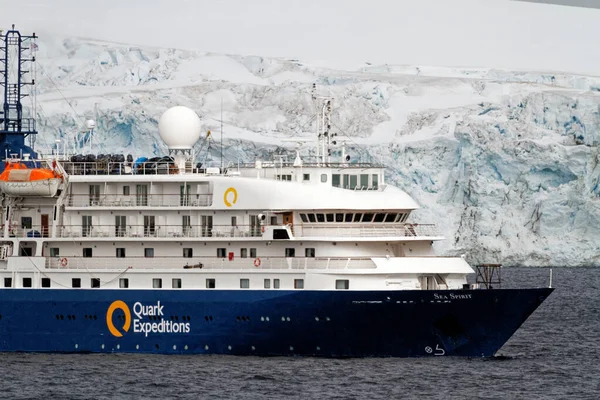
[257, 262]
[64, 262]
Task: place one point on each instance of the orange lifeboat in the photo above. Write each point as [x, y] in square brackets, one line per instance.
[20, 180]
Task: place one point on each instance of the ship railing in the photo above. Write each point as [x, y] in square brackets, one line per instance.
[27, 231]
[218, 263]
[149, 200]
[307, 164]
[366, 230]
[160, 231]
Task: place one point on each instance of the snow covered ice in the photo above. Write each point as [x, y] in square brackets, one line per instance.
[504, 162]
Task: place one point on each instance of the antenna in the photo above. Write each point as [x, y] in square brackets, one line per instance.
[324, 134]
[221, 135]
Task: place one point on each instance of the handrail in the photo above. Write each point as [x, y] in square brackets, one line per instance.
[138, 200]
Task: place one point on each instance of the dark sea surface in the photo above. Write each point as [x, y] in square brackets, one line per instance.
[554, 355]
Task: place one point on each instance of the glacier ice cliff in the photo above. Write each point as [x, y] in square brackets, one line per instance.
[506, 163]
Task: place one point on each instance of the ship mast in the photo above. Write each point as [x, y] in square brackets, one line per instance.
[323, 107]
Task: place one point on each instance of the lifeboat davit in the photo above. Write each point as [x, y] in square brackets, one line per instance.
[20, 180]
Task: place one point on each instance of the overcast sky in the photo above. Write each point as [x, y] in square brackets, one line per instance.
[489, 33]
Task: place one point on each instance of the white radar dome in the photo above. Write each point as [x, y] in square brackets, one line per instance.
[179, 127]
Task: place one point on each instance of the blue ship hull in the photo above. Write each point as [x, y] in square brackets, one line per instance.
[474, 323]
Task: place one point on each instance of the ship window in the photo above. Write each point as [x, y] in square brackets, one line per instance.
[26, 222]
[346, 176]
[94, 195]
[390, 217]
[267, 284]
[335, 180]
[311, 218]
[210, 283]
[280, 234]
[244, 253]
[323, 178]
[357, 217]
[273, 220]
[244, 283]
[348, 217]
[320, 217]
[367, 218]
[374, 181]
[7, 282]
[87, 252]
[275, 283]
[54, 252]
[303, 218]
[252, 253]
[76, 282]
[339, 217]
[95, 283]
[306, 177]
[157, 283]
[298, 283]
[353, 181]
[221, 252]
[379, 217]
[26, 251]
[141, 195]
[176, 283]
[124, 283]
[120, 252]
[290, 252]
[188, 252]
[149, 252]
[26, 282]
[364, 181]
[45, 282]
[309, 252]
[329, 217]
[399, 217]
[125, 190]
[342, 284]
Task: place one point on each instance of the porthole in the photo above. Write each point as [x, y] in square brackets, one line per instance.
[76, 346]
[137, 346]
[118, 347]
[206, 347]
[102, 347]
[228, 347]
[185, 347]
[174, 347]
[291, 348]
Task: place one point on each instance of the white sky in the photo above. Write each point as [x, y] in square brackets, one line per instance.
[487, 33]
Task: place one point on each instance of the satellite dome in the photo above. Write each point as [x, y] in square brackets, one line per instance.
[179, 127]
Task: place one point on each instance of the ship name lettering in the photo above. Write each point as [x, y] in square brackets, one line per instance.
[141, 310]
[455, 296]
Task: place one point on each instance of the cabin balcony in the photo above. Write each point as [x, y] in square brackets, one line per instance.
[195, 263]
[160, 231]
[149, 200]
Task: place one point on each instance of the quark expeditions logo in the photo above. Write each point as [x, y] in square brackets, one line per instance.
[230, 197]
[141, 320]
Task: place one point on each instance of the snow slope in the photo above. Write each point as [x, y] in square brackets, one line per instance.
[505, 162]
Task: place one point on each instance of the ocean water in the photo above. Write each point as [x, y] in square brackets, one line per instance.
[554, 355]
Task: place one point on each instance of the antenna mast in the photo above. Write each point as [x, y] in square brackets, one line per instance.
[324, 135]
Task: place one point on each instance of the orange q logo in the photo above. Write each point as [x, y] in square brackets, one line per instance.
[118, 305]
[226, 197]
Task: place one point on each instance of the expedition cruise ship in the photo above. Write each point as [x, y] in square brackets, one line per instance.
[311, 257]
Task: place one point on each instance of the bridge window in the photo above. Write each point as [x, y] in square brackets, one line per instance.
[320, 217]
[379, 217]
[346, 176]
[367, 218]
[311, 218]
[374, 181]
[124, 283]
[357, 217]
[157, 283]
[390, 217]
[401, 217]
[298, 283]
[348, 217]
[45, 282]
[329, 217]
[244, 283]
[342, 284]
[303, 218]
[353, 181]
[211, 283]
